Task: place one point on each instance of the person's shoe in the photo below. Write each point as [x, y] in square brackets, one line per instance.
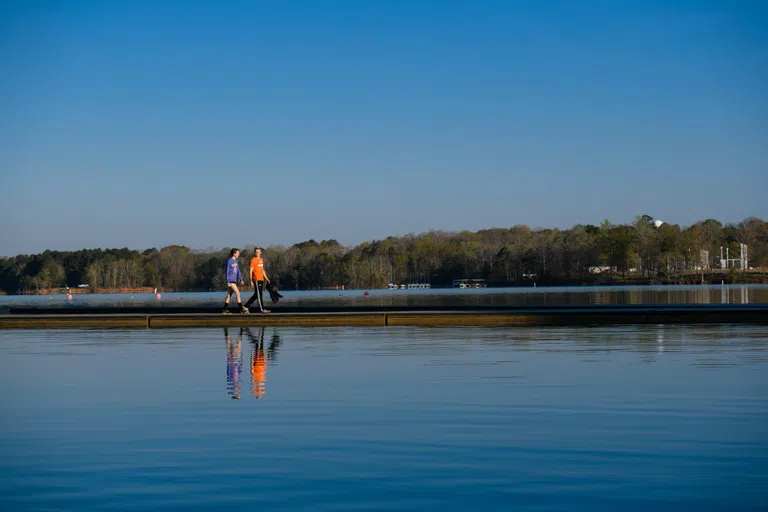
[226, 312]
[245, 311]
[266, 311]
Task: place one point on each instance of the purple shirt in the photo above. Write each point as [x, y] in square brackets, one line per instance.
[233, 271]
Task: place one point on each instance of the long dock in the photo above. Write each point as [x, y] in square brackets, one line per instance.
[383, 316]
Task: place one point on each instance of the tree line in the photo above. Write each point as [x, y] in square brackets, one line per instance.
[584, 254]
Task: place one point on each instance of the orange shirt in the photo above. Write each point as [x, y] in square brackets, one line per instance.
[257, 269]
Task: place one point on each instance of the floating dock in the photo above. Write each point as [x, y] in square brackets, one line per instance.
[383, 316]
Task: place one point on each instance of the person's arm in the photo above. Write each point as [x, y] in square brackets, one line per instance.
[240, 276]
[265, 274]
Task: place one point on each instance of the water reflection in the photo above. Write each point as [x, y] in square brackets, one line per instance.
[667, 294]
[570, 418]
[234, 363]
[261, 358]
[734, 295]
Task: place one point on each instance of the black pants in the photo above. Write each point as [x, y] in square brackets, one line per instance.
[258, 296]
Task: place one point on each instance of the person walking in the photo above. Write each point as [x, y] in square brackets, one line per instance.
[258, 277]
[234, 278]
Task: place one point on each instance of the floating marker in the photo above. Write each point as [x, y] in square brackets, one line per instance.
[366, 294]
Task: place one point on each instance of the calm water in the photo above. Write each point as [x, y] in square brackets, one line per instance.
[610, 418]
[708, 294]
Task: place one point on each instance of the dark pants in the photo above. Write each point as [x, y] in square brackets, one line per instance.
[258, 296]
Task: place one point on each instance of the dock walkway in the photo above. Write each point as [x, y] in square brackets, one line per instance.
[163, 317]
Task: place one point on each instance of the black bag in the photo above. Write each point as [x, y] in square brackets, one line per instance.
[273, 293]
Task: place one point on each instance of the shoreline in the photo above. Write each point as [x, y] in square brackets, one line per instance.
[713, 279]
[86, 291]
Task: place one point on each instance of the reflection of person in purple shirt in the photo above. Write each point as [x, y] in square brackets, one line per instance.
[234, 364]
[234, 278]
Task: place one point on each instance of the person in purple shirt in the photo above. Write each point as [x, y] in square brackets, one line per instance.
[234, 278]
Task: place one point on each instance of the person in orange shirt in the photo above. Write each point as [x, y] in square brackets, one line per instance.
[258, 277]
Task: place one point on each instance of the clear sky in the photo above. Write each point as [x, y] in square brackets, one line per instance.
[209, 124]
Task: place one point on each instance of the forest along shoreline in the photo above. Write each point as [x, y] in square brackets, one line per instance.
[646, 251]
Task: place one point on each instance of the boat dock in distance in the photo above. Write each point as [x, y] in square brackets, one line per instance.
[386, 316]
[470, 283]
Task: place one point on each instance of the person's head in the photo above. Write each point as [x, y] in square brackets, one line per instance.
[234, 253]
[257, 251]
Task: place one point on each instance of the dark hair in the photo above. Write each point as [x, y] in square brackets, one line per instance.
[257, 248]
[232, 252]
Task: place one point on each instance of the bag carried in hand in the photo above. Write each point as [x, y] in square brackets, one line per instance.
[273, 293]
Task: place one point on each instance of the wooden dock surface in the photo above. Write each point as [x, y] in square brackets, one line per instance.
[164, 317]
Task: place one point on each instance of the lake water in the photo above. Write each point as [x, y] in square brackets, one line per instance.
[707, 294]
[608, 418]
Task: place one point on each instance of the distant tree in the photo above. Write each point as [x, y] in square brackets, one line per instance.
[498, 254]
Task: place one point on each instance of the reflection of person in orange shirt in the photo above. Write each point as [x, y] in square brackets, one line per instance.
[258, 277]
[258, 367]
[234, 364]
[260, 360]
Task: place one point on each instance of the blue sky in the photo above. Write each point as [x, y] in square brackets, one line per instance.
[212, 124]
